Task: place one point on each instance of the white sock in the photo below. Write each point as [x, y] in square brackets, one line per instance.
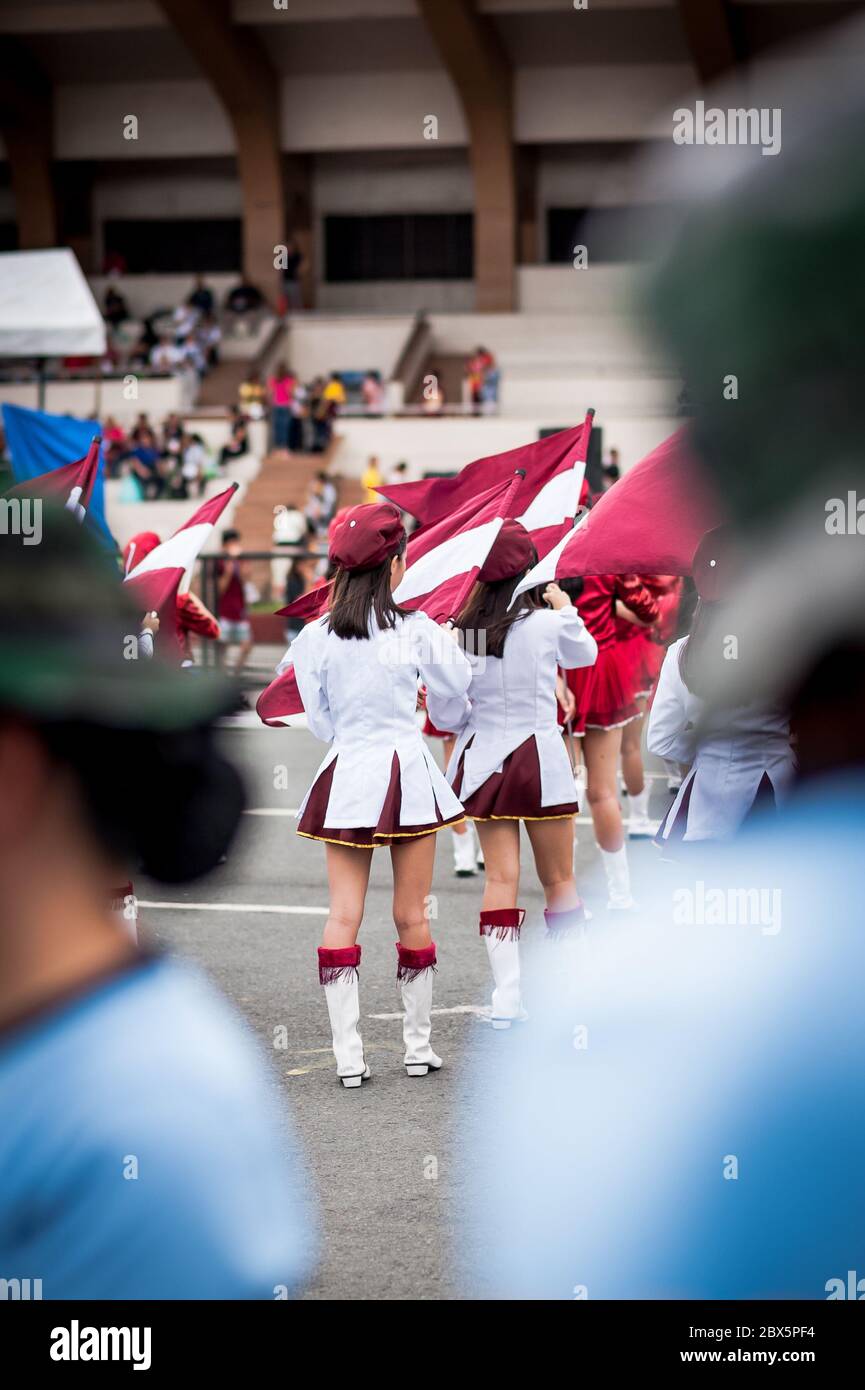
[640, 804]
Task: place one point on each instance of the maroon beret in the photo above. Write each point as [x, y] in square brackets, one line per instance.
[512, 553]
[715, 565]
[364, 537]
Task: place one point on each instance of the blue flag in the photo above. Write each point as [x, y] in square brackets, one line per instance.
[39, 442]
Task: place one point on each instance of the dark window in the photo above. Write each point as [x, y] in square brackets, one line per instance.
[399, 246]
[8, 236]
[609, 234]
[177, 245]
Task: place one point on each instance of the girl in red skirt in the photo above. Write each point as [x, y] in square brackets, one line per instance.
[357, 670]
[509, 763]
[603, 704]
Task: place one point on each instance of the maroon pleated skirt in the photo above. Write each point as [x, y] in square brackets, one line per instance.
[514, 793]
[387, 831]
[605, 692]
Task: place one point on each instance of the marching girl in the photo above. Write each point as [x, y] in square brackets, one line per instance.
[357, 669]
[739, 757]
[509, 763]
[604, 702]
[645, 646]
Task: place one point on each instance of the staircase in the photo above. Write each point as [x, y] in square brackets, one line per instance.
[284, 478]
[449, 368]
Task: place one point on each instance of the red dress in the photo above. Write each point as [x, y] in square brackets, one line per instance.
[605, 692]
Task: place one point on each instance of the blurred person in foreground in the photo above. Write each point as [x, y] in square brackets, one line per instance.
[141, 1153]
[685, 1119]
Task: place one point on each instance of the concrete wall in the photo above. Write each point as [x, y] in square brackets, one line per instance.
[317, 344]
[96, 398]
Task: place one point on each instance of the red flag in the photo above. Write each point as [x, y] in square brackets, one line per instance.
[544, 461]
[280, 700]
[73, 483]
[648, 523]
[160, 573]
[444, 558]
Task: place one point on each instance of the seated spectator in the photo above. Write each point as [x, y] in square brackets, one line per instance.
[238, 442]
[253, 395]
[209, 337]
[280, 390]
[116, 310]
[398, 473]
[193, 469]
[114, 445]
[334, 392]
[172, 435]
[184, 321]
[372, 392]
[244, 298]
[142, 426]
[201, 298]
[166, 356]
[145, 460]
[192, 355]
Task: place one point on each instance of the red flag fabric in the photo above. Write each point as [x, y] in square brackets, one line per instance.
[443, 560]
[648, 523]
[543, 460]
[280, 700]
[73, 483]
[154, 582]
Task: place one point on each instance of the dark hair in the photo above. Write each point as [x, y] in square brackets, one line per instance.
[230, 535]
[572, 587]
[701, 655]
[358, 595]
[486, 610]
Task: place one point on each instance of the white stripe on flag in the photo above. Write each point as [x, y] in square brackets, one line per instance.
[556, 500]
[178, 552]
[457, 555]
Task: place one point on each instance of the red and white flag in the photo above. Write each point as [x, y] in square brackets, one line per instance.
[444, 559]
[72, 484]
[648, 523]
[167, 569]
[442, 563]
[548, 496]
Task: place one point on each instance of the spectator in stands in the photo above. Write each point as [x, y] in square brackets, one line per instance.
[114, 445]
[184, 321]
[479, 364]
[172, 435]
[299, 580]
[610, 470]
[372, 392]
[209, 336]
[145, 461]
[299, 422]
[371, 480]
[334, 392]
[280, 390]
[244, 298]
[116, 310]
[201, 298]
[238, 442]
[231, 584]
[166, 356]
[253, 395]
[142, 426]
[192, 354]
[398, 473]
[290, 532]
[193, 469]
[291, 287]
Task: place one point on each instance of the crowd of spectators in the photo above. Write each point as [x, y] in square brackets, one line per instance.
[169, 460]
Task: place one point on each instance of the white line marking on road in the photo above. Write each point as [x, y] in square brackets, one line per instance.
[238, 907]
[271, 811]
[457, 1009]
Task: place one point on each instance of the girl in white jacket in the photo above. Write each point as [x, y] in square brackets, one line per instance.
[738, 757]
[509, 763]
[357, 670]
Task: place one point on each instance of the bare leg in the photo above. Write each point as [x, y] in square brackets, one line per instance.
[500, 842]
[601, 751]
[348, 877]
[632, 756]
[552, 844]
[413, 861]
[242, 657]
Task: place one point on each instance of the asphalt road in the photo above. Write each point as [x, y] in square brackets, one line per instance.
[381, 1156]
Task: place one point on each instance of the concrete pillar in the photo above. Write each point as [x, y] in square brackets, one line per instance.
[480, 71]
[26, 118]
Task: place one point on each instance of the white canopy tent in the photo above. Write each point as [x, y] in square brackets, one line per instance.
[46, 307]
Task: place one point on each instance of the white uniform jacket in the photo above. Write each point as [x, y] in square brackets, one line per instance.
[513, 697]
[729, 753]
[360, 695]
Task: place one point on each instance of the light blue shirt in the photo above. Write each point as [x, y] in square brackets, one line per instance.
[143, 1149]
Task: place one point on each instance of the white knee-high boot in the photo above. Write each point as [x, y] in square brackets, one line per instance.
[615, 863]
[124, 907]
[337, 971]
[501, 932]
[414, 973]
[639, 824]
